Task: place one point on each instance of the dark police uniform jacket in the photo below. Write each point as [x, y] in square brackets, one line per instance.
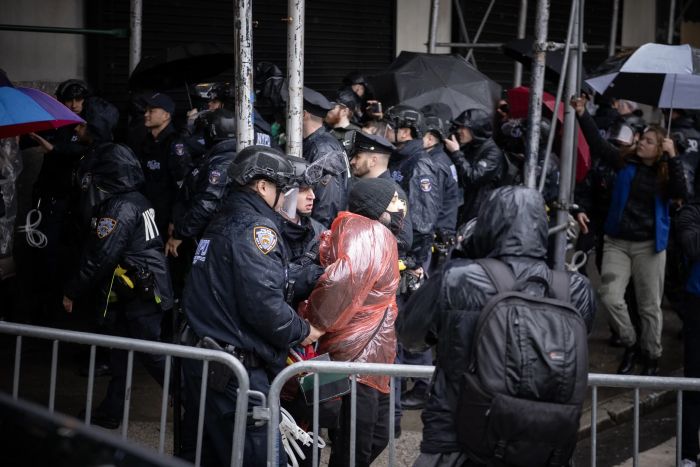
[203, 191]
[446, 224]
[411, 167]
[236, 288]
[331, 192]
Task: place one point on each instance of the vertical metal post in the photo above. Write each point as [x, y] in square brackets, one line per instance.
[568, 153]
[54, 374]
[522, 24]
[295, 76]
[536, 90]
[135, 15]
[463, 25]
[18, 361]
[613, 28]
[244, 73]
[594, 426]
[635, 441]
[432, 29]
[481, 27]
[679, 426]
[671, 22]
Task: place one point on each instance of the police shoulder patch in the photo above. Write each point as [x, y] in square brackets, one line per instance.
[214, 177]
[265, 238]
[105, 226]
[180, 149]
[425, 184]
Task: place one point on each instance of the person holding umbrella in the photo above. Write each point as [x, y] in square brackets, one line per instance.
[636, 235]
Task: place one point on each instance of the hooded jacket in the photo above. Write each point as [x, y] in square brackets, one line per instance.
[203, 190]
[480, 165]
[322, 148]
[236, 287]
[122, 230]
[355, 298]
[512, 227]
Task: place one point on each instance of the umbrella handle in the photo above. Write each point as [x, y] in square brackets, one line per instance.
[670, 112]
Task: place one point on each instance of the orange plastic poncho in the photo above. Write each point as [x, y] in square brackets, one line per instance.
[359, 284]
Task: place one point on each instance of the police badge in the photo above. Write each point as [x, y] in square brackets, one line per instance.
[180, 149]
[265, 238]
[105, 226]
[214, 177]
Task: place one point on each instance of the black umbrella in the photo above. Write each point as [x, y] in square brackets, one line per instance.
[176, 66]
[420, 79]
[521, 50]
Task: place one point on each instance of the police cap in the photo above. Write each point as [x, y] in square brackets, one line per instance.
[159, 100]
[365, 142]
[316, 103]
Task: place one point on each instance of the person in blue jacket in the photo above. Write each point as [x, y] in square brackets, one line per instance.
[636, 229]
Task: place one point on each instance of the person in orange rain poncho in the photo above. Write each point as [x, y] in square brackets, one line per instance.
[354, 302]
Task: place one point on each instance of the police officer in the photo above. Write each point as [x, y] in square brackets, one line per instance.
[322, 148]
[235, 295]
[123, 255]
[341, 117]
[412, 168]
[164, 158]
[435, 132]
[479, 161]
[205, 186]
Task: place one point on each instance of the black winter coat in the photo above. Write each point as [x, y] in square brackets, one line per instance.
[480, 165]
[203, 190]
[235, 292]
[417, 174]
[446, 224]
[512, 227]
[123, 230]
[303, 240]
[322, 148]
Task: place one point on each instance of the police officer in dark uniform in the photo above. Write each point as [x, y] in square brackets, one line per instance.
[164, 158]
[123, 255]
[435, 132]
[323, 149]
[479, 161]
[341, 118]
[205, 186]
[235, 296]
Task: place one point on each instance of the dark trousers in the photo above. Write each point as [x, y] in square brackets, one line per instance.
[691, 363]
[219, 415]
[137, 319]
[372, 428]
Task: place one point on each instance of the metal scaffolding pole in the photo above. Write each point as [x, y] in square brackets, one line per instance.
[613, 28]
[481, 27]
[522, 24]
[135, 15]
[536, 90]
[295, 76]
[568, 155]
[432, 30]
[671, 22]
[244, 73]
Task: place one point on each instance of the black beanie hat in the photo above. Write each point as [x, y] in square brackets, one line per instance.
[370, 197]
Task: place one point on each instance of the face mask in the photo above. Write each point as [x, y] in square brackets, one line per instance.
[396, 221]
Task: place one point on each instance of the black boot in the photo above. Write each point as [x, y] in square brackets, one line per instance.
[629, 358]
[650, 367]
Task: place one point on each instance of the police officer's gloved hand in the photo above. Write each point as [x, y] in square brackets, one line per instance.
[305, 279]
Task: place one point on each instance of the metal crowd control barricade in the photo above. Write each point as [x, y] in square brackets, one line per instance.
[137, 345]
[343, 368]
[595, 381]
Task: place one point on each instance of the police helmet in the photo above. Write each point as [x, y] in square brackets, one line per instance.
[436, 125]
[223, 92]
[305, 174]
[477, 120]
[256, 162]
[72, 89]
[354, 77]
[219, 125]
[404, 116]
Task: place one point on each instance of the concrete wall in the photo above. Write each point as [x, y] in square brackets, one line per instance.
[42, 57]
[638, 22]
[412, 24]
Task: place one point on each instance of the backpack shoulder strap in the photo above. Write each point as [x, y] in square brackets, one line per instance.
[560, 285]
[499, 273]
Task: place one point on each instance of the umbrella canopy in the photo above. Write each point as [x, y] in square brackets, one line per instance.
[666, 76]
[176, 66]
[519, 99]
[420, 79]
[26, 110]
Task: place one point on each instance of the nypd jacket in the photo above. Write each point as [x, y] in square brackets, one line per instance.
[322, 148]
[480, 166]
[235, 292]
[303, 240]
[203, 190]
[165, 161]
[123, 230]
[444, 311]
[451, 197]
[413, 169]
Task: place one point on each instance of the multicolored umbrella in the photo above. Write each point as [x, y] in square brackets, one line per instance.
[26, 110]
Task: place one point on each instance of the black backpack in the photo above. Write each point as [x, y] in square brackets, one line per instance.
[521, 398]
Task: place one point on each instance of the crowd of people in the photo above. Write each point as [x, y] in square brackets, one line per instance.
[363, 249]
